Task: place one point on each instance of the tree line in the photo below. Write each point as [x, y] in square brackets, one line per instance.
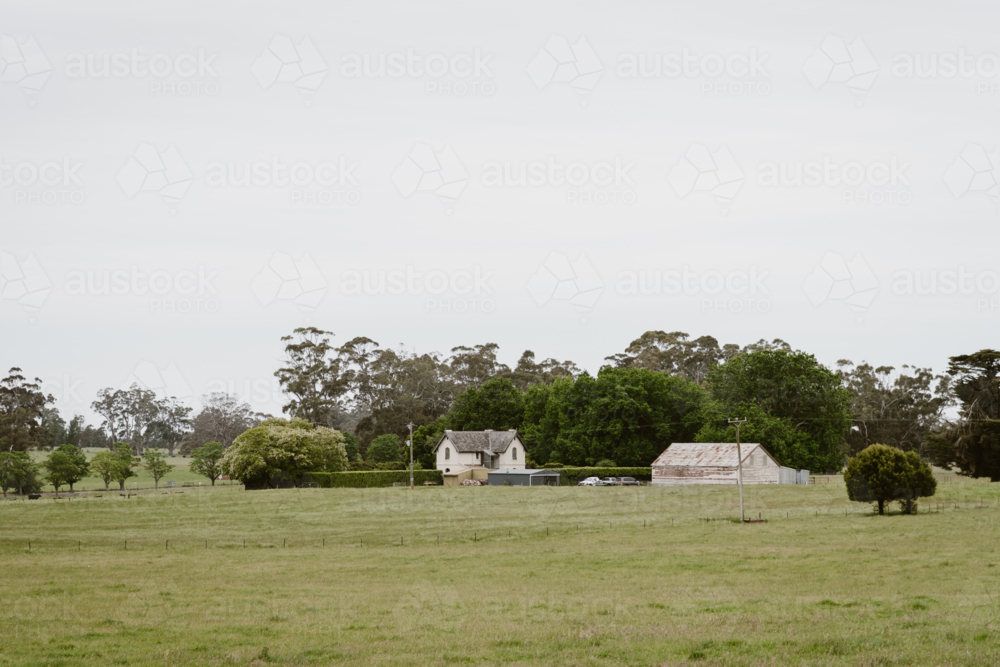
[664, 387]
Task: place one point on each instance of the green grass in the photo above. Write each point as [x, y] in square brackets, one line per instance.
[476, 579]
[181, 474]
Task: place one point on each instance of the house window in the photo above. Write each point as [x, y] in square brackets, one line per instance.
[514, 453]
[447, 453]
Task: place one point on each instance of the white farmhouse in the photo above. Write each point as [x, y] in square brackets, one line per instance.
[459, 451]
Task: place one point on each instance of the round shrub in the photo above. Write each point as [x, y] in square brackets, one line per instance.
[279, 449]
[880, 473]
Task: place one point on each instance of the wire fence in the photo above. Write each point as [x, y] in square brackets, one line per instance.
[450, 535]
[941, 477]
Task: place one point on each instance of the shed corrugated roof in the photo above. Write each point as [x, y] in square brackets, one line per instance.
[705, 453]
[522, 471]
[481, 441]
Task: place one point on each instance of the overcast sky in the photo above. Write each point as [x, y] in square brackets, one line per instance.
[183, 183]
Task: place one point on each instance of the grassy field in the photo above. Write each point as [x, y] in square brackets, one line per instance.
[496, 575]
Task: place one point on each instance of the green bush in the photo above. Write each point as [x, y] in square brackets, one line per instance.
[385, 448]
[879, 473]
[369, 478]
[278, 452]
[569, 476]
[553, 465]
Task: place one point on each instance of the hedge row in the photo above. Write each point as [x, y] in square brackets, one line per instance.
[574, 475]
[372, 478]
[368, 465]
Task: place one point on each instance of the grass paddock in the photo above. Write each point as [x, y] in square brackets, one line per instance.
[500, 575]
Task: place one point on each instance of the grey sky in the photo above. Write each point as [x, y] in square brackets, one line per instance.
[671, 173]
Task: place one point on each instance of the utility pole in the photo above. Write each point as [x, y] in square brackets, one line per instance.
[739, 462]
[410, 426]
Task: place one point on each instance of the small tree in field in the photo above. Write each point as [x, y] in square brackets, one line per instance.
[103, 465]
[207, 460]
[880, 473]
[18, 471]
[66, 465]
[156, 463]
[123, 459]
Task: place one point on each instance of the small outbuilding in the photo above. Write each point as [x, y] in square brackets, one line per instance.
[686, 463]
[523, 477]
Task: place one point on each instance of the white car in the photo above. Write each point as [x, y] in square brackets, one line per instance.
[590, 481]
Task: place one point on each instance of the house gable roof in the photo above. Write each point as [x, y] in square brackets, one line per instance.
[703, 454]
[480, 441]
